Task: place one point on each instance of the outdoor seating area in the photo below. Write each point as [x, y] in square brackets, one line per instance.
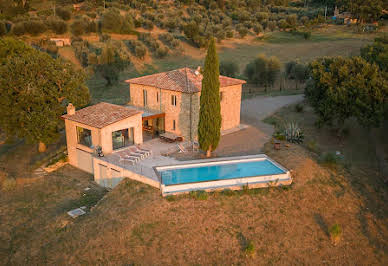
[170, 137]
[133, 154]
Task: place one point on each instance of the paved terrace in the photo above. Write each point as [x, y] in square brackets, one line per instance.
[145, 167]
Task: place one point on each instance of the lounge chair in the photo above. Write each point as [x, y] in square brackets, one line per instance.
[181, 148]
[136, 152]
[123, 158]
[146, 152]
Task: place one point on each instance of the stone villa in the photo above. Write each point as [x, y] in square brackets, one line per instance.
[163, 102]
[172, 101]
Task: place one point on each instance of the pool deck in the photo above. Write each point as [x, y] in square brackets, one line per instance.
[147, 169]
[232, 184]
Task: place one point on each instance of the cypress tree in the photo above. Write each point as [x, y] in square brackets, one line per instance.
[210, 108]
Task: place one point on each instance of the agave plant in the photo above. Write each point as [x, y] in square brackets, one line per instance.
[293, 133]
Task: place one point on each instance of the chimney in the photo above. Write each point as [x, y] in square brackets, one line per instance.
[70, 109]
[198, 70]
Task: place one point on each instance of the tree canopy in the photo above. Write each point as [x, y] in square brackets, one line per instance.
[347, 87]
[210, 108]
[263, 71]
[35, 89]
[377, 53]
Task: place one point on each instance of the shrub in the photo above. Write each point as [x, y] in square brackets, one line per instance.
[63, 13]
[242, 31]
[148, 24]
[335, 233]
[57, 25]
[250, 248]
[293, 133]
[329, 158]
[307, 35]
[161, 52]
[91, 14]
[279, 136]
[257, 28]
[112, 21]
[148, 40]
[229, 34]
[229, 68]
[33, 27]
[299, 108]
[175, 43]
[199, 195]
[140, 51]
[271, 25]
[3, 28]
[78, 27]
[9, 184]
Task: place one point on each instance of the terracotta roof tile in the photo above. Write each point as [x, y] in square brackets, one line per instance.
[183, 80]
[101, 114]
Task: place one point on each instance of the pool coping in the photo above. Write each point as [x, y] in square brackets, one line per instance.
[221, 160]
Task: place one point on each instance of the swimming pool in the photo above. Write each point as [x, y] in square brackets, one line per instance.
[221, 173]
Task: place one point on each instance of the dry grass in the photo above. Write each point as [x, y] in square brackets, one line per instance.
[133, 224]
[68, 54]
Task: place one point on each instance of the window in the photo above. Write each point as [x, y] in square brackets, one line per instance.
[122, 138]
[84, 136]
[173, 100]
[221, 96]
[173, 124]
[157, 97]
[144, 98]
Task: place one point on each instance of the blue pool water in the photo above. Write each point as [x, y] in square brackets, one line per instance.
[219, 172]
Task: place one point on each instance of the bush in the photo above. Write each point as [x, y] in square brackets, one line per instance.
[329, 158]
[199, 195]
[148, 40]
[279, 136]
[63, 13]
[9, 184]
[335, 233]
[271, 25]
[293, 133]
[78, 27]
[229, 68]
[3, 28]
[257, 28]
[57, 25]
[299, 108]
[148, 24]
[140, 51]
[250, 248]
[175, 43]
[161, 52]
[242, 31]
[307, 35]
[229, 34]
[112, 21]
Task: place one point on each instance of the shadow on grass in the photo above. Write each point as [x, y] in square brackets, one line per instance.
[322, 223]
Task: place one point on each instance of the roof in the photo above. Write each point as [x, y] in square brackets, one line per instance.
[184, 80]
[101, 115]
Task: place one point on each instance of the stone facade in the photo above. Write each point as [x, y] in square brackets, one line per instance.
[186, 111]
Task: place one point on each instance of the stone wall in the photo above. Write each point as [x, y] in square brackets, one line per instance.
[186, 112]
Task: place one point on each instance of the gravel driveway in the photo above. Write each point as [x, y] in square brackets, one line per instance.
[252, 139]
[256, 109]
